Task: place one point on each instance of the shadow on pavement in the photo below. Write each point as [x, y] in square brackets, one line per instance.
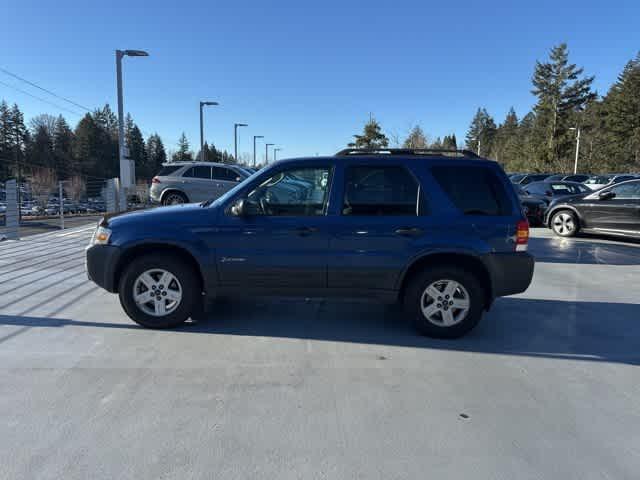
[584, 251]
[590, 331]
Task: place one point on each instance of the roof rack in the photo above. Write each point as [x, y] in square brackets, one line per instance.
[409, 151]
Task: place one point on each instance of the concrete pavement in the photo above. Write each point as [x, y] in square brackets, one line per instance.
[547, 386]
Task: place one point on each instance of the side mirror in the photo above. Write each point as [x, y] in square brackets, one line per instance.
[237, 209]
[606, 195]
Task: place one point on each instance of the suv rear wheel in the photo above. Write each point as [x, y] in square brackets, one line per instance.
[564, 223]
[174, 198]
[157, 291]
[444, 302]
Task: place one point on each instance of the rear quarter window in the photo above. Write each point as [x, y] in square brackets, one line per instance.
[169, 170]
[474, 190]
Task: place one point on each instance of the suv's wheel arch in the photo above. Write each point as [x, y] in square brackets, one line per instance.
[146, 248]
[170, 191]
[470, 263]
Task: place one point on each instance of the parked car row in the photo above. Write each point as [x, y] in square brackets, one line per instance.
[593, 182]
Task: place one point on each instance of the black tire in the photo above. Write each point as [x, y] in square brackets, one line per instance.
[414, 296]
[565, 223]
[174, 197]
[187, 278]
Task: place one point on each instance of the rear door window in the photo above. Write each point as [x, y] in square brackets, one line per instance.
[474, 190]
[222, 173]
[199, 171]
[380, 190]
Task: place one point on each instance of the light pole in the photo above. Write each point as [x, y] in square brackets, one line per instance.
[266, 152]
[203, 156]
[125, 168]
[275, 154]
[235, 137]
[575, 164]
[254, 148]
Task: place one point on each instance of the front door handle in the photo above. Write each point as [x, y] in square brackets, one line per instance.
[305, 231]
[409, 231]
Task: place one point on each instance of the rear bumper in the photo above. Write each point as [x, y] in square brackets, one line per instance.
[511, 273]
[101, 263]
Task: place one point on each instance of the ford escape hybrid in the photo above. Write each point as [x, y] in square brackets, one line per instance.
[440, 231]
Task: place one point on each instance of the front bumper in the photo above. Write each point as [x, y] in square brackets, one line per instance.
[511, 273]
[101, 262]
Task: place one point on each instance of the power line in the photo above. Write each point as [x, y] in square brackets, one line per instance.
[41, 99]
[44, 89]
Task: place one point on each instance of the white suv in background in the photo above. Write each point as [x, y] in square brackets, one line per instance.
[189, 182]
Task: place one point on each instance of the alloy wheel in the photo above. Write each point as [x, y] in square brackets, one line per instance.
[157, 292]
[445, 303]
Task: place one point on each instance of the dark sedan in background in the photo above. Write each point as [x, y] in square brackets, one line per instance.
[548, 190]
[613, 210]
[534, 208]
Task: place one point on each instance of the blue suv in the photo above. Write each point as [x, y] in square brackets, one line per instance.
[440, 231]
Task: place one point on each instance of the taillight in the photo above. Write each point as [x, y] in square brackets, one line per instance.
[155, 180]
[522, 235]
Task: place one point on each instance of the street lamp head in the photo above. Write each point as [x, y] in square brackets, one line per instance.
[241, 124]
[209, 103]
[269, 144]
[258, 136]
[136, 53]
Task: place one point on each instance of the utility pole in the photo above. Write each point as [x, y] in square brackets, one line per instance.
[254, 148]
[266, 152]
[575, 164]
[125, 165]
[61, 204]
[235, 138]
[203, 155]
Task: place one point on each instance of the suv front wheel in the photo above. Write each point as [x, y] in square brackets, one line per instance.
[157, 291]
[444, 302]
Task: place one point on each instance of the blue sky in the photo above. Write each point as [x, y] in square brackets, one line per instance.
[305, 75]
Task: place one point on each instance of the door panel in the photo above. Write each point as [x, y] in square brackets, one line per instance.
[273, 252]
[281, 240]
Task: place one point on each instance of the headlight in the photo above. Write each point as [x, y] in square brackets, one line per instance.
[101, 236]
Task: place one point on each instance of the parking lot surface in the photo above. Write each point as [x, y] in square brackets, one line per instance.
[547, 386]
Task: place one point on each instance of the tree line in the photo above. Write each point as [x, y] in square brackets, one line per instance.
[544, 139]
[48, 148]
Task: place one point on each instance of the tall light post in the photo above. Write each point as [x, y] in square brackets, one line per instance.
[275, 154]
[254, 148]
[575, 164]
[203, 156]
[266, 152]
[235, 137]
[125, 166]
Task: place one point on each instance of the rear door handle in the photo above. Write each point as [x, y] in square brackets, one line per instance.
[409, 231]
[305, 231]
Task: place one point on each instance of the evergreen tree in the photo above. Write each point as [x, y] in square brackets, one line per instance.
[40, 152]
[437, 143]
[508, 146]
[562, 92]
[182, 154]
[156, 154]
[449, 142]
[108, 158]
[136, 147]
[372, 137]
[622, 117]
[6, 141]
[416, 138]
[63, 148]
[88, 147]
[481, 134]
